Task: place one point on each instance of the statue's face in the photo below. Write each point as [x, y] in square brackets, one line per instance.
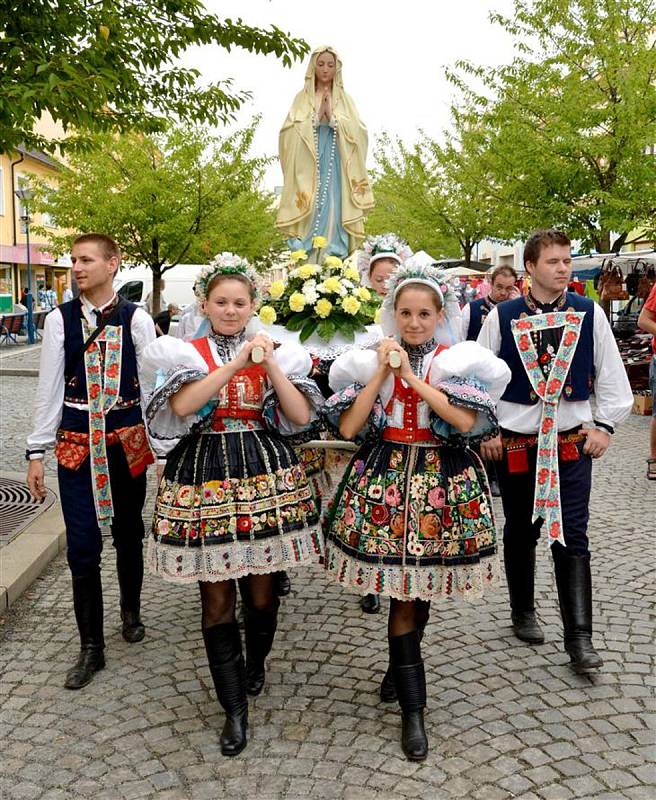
[324, 70]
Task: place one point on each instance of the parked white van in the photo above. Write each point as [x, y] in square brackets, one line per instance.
[136, 283]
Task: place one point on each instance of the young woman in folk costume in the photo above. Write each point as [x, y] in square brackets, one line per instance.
[233, 502]
[412, 518]
[379, 257]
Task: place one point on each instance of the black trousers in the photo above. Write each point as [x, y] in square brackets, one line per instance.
[517, 490]
[83, 537]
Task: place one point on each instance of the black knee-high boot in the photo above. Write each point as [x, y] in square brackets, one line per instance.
[574, 583]
[260, 630]
[88, 605]
[224, 655]
[387, 687]
[520, 575]
[410, 683]
[129, 568]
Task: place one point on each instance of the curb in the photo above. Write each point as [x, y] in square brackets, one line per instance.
[25, 373]
[26, 556]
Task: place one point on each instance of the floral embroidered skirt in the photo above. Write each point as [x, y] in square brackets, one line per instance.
[232, 504]
[411, 521]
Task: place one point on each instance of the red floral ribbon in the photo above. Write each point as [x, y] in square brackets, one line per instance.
[546, 501]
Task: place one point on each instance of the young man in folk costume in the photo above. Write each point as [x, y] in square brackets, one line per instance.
[88, 406]
[559, 346]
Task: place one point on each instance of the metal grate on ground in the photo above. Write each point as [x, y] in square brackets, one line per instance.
[17, 509]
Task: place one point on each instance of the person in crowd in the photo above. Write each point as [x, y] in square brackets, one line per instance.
[88, 406]
[163, 319]
[49, 298]
[502, 286]
[233, 502]
[412, 518]
[190, 322]
[67, 295]
[559, 347]
[647, 321]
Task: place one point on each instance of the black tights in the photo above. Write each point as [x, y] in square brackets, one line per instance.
[218, 598]
[407, 615]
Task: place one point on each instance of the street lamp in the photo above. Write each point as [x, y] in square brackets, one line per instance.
[25, 195]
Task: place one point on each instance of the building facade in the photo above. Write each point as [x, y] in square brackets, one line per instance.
[15, 171]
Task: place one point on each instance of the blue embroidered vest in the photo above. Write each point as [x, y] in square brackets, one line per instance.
[127, 410]
[580, 378]
[478, 311]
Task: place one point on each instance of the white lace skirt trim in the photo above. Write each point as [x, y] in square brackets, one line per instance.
[235, 559]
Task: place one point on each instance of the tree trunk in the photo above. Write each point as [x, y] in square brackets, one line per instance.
[467, 248]
[604, 241]
[155, 296]
[618, 244]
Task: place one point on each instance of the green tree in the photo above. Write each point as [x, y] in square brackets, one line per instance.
[167, 199]
[112, 65]
[433, 194]
[567, 130]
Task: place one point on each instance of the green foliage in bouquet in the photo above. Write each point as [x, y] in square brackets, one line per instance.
[324, 298]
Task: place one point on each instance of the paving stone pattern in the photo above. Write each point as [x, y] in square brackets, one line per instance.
[504, 719]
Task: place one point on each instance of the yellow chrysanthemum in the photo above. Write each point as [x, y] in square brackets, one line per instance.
[268, 315]
[363, 293]
[299, 255]
[332, 285]
[277, 289]
[297, 302]
[351, 305]
[332, 261]
[319, 241]
[307, 271]
[323, 308]
[352, 274]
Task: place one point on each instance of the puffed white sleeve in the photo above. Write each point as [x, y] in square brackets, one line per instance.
[353, 366]
[349, 374]
[472, 377]
[296, 363]
[168, 363]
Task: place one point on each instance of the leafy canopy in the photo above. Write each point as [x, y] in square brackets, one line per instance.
[112, 65]
[176, 197]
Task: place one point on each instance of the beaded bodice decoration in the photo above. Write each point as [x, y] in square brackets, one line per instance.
[228, 346]
[407, 415]
[416, 354]
[242, 397]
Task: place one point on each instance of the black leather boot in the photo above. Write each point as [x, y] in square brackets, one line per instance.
[574, 584]
[370, 604]
[387, 687]
[410, 682]
[224, 655]
[260, 629]
[88, 605]
[520, 574]
[129, 568]
[282, 583]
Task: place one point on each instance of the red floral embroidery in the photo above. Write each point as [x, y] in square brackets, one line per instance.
[379, 514]
[524, 343]
[244, 524]
[94, 391]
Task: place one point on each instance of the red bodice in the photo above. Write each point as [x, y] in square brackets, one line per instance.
[242, 397]
[408, 415]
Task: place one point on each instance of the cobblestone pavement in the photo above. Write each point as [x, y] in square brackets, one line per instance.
[504, 719]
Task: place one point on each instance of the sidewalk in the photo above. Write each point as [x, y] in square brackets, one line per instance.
[505, 720]
[20, 359]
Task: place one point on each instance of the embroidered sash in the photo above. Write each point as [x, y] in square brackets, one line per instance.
[102, 388]
[546, 501]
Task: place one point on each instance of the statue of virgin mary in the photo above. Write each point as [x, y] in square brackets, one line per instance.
[323, 153]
